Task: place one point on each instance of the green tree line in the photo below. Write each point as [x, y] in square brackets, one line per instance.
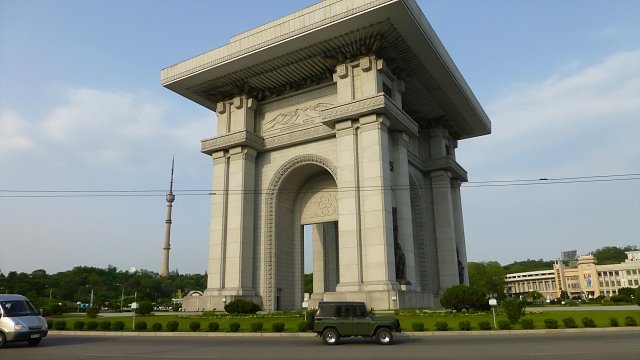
[111, 287]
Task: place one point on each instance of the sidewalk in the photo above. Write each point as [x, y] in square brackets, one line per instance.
[310, 334]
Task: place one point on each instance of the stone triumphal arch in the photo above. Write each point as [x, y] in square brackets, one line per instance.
[345, 117]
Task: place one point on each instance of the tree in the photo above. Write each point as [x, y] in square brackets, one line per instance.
[513, 309]
[144, 308]
[487, 276]
[612, 254]
[461, 297]
[638, 296]
[308, 283]
[626, 291]
[528, 265]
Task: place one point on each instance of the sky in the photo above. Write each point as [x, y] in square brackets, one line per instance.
[82, 109]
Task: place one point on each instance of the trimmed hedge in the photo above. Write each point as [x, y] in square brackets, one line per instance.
[464, 325]
[417, 326]
[256, 326]
[156, 326]
[303, 326]
[234, 326]
[504, 324]
[172, 325]
[277, 326]
[194, 325]
[550, 323]
[117, 325]
[140, 325]
[588, 322]
[78, 325]
[613, 322]
[92, 325]
[630, 321]
[213, 326]
[59, 325]
[569, 322]
[441, 325]
[526, 323]
[484, 325]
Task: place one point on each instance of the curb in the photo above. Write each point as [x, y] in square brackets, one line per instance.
[310, 334]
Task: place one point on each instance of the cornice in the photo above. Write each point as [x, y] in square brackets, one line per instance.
[376, 104]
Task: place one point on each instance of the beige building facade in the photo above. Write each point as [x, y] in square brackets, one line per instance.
[586, 279]
[345, 117]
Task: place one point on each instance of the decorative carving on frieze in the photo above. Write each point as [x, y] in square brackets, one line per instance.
[270, 206]
[300, 116]
[325, 205]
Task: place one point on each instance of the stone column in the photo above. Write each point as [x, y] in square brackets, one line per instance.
[376, 209]
[230, 270]
[239, 226]
[445, 229]
[459, 227]
[217, 232]
[350, 247]
[402, 194]
[319, 253]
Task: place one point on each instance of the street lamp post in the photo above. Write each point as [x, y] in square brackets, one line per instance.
[121, 298]
[493, 303]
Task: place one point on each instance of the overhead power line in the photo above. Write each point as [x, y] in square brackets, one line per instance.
[13, 193]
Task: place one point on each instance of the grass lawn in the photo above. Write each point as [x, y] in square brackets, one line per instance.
[601, 319]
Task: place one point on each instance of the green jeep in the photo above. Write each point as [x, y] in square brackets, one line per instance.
[338, 319]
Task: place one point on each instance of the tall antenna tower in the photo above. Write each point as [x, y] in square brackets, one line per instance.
[167, 227]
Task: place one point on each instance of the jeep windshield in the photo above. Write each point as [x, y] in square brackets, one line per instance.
[14, 308]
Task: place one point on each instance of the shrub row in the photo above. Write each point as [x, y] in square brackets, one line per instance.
[279, 326]
[525, 323]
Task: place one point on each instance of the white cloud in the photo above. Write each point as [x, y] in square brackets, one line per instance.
[566, 120]
[95, 126]
[13, 133]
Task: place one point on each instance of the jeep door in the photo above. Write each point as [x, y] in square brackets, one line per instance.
[344, 320]
[362, 323]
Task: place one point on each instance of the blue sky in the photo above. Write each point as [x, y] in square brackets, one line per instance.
[82, 108]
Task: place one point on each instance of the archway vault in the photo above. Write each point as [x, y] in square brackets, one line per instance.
[299, 184]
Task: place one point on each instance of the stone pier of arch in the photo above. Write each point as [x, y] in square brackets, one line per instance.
[344, 116]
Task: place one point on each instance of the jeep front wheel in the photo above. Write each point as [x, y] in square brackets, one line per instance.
[330, 336]
[384, 336]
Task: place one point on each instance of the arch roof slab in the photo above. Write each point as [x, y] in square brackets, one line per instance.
[301, 50]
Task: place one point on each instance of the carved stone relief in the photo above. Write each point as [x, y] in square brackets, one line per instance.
[296, 117]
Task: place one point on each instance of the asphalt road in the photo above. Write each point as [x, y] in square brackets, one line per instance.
[561, 345]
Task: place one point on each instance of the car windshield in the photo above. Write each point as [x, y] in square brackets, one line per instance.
[18, 308]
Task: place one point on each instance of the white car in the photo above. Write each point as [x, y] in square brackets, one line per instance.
[20, 321]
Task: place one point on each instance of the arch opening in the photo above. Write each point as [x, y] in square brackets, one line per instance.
[306, 197]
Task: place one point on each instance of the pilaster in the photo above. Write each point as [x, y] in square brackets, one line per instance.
[239, 225]
[401, 190]
[459, 229]
[376, 204]
[350, 246]
[445, 229]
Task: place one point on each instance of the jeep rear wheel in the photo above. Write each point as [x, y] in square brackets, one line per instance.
[384, 336]
[330, 336]
[3, 339]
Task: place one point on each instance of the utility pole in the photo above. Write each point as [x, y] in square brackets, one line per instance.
[167, 227]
